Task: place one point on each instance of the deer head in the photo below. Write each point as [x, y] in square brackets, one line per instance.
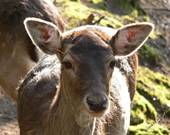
[87, 61]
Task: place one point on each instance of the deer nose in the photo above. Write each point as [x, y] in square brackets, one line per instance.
[97, 103]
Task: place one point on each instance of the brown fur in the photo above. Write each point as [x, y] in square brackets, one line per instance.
[51, 103]
[132, 60]
[18, 54]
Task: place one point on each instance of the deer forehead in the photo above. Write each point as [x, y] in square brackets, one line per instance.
[85, 36]
[85, 44]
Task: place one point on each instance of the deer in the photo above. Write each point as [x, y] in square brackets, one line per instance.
[17, 53]
[85, 83]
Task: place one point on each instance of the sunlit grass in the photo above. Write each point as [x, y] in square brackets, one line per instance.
[75, 13]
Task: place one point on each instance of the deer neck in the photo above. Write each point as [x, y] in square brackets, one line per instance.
[66, 119]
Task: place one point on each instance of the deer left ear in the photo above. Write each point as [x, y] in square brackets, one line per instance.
[45, 35]
[130, 38]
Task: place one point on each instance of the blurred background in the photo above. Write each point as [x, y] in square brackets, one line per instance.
[151, 106]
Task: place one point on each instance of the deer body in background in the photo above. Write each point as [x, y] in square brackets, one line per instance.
[17, 53]
[87, 87]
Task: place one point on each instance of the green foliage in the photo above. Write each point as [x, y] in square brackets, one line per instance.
[155, 87]
[76, 13]
[99, 3]
[96, 1]
[148, 129]
[150, 55]
[152, 97]
[142, 110]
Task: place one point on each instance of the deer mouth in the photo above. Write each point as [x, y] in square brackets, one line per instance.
[97, 114]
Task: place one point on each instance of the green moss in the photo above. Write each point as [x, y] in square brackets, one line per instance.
[151, 98]
[148, 129]
[75, 13]
[155, 35]
[155, 87]
[99, 4]
[96, 1]
[142, 110]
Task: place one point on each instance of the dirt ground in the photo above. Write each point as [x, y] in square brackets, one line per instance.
[8, 118]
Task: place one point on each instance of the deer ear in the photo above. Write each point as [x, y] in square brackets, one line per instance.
[130, 38]
[44, 35]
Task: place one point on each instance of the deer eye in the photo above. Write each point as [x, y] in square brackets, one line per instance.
[67, 64]
[112, 64]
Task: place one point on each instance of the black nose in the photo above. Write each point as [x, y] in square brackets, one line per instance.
[97, 103]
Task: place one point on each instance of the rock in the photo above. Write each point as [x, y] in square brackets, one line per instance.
[159, 12]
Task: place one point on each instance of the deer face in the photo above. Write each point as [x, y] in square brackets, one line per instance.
[87, 61]
[87, 67]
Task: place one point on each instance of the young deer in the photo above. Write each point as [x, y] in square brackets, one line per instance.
[87, 89]
[17, 53]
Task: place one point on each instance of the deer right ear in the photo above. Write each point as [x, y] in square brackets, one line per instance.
[45, 35]
[130, 38]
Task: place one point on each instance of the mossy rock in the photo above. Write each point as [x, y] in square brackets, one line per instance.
[142, 110]
[150, 56]
[148, 129]
[155, 87]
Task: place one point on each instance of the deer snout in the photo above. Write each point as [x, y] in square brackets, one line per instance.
[97, 103]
